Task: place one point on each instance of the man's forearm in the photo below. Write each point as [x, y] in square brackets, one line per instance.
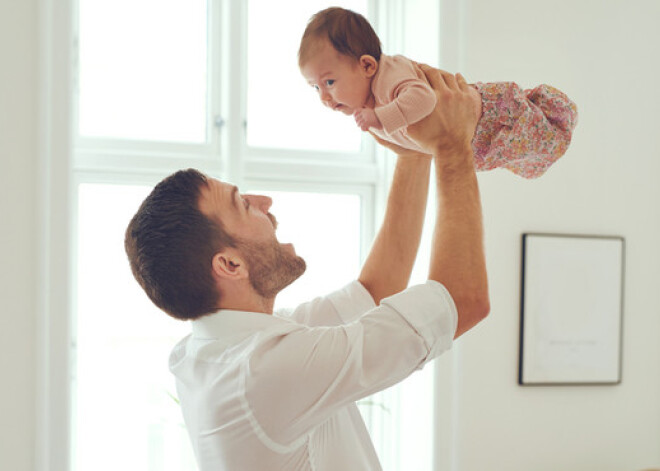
[457, 257]
[390, 262]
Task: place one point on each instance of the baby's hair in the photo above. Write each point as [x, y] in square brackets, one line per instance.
[349, 33]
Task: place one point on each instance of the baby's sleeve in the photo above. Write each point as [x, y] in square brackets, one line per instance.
[411, 101]
[403, 96]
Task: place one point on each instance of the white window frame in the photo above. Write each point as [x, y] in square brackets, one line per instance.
[66, 160]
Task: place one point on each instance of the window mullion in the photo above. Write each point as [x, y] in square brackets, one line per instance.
[230, 69]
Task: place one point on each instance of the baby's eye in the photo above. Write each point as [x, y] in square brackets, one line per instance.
[329, 82]
[315, 87]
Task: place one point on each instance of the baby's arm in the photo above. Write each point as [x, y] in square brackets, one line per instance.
[412, 100]
[366, 118]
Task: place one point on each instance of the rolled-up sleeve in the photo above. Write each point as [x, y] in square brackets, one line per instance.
[430, 310]
[298, 378]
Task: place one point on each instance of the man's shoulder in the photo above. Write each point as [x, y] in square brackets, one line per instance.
[337, 307]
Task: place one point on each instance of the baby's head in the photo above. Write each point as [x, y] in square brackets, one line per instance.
[338, 56]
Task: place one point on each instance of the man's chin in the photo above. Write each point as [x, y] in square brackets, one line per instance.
[295, 268]
[272, 266]
[296, 263]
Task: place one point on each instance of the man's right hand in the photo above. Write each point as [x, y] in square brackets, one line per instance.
[449, 129]
[457, 253]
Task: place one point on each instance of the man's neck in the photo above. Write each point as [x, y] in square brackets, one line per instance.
[250, 304]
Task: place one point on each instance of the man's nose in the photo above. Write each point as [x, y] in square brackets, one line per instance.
[262, 202]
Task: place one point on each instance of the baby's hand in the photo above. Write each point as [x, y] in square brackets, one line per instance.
[366, 118]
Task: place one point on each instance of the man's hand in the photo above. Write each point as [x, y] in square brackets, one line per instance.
[449, 129]
[398, 150]
[366, 118]
[457, 253]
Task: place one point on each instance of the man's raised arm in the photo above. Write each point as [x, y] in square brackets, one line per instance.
[457, 254]
[390, 262]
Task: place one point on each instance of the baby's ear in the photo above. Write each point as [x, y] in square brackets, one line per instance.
[368, 65]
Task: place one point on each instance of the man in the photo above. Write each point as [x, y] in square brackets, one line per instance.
[266, 392]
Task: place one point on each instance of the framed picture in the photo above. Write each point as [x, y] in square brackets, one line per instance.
[571, 309]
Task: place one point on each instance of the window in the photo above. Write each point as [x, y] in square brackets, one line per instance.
[143, 70]
[210, 84]
[124, 392]
[276, 89]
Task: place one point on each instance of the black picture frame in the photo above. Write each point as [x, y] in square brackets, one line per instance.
[571, 309]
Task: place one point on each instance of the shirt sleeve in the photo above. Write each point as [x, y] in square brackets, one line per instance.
[339, 307]
[296, 380]
[413, 100]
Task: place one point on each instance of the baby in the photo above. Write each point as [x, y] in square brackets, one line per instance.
[524, 131]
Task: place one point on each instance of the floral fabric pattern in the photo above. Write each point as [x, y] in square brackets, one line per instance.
[524, 131]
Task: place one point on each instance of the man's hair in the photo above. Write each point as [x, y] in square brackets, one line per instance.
[170, 245]
[349, 33]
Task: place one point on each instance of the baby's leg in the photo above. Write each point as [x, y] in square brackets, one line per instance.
[476, 98]
[524, 131]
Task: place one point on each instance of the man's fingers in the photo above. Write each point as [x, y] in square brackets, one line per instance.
[383, 142]
[439, 79]
[462, 83]
[450, 80]
[433, 76]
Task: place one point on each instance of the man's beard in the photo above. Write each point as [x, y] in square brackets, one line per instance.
[271, 268]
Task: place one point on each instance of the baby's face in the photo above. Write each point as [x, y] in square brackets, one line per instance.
[341, 83]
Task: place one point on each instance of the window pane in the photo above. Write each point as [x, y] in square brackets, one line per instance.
[325, 230]
[283, 110]
[122, 389]
[143, 67]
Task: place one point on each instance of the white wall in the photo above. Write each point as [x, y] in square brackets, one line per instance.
[18, 58]
[603, 54]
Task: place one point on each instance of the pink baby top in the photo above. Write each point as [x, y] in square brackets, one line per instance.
[524, 131]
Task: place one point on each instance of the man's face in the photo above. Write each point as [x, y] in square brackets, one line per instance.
[338, 79]
[271, 265]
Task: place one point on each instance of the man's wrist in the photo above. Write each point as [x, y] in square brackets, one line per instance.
[456, 157]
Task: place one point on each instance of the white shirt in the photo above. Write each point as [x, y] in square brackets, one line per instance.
[261, 392]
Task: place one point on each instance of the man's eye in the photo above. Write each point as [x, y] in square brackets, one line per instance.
[329, 83]
[246, 203]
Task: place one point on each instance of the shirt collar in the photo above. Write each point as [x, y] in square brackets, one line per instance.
[227, 323]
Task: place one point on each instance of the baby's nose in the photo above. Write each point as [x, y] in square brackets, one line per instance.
[326, 98]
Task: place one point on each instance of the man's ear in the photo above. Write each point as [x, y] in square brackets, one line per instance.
[228, 265]
[368, 65]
